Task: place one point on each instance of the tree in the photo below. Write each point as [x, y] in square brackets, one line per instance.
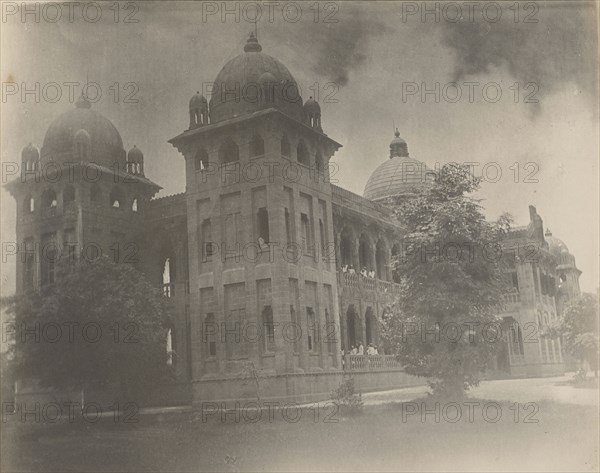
[578, 326]
[101, 324]
[444, 324]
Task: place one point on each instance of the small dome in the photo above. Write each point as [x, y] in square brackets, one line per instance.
[237, 88]
[312, 106]
[106, 145]
[30, 153]
[135, 154]
[555, 245]
[198, 101]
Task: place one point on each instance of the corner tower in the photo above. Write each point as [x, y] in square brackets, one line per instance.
[262, 264]
[82, 195]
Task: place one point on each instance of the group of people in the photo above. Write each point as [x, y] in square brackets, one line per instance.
[363, 272]
[360, 349]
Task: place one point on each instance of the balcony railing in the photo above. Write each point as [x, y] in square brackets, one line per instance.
[371, 363]
[357, 281]
[512, 298]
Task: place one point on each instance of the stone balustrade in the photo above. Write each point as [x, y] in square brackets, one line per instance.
[371, 363]
[357, 281]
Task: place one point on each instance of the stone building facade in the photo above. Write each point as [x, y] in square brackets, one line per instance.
[261, 253]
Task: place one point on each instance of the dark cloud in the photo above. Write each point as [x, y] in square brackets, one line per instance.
[560, 48]
[338, 48]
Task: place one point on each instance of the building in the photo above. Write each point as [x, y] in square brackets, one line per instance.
[261, 253]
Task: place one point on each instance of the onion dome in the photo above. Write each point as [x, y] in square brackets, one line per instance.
[135, 154]
[399, 175]
[30, 154]
[105, 143]
[238, 88]
[312, 106]
[198, 101]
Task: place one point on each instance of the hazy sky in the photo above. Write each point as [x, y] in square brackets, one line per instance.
[375, 55]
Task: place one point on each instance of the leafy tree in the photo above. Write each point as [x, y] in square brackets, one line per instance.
[101, 324]
[444, 324]
[578, 326]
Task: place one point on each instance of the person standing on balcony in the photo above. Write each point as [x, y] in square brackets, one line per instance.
[361, 348]
[351, 270]
[363, 272]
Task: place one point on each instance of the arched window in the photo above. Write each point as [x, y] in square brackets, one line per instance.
[134, 205]
[81, 145]
[49, 199]
[96, 193]
[68, 194]
[257, 146]
[168, 273]
[229, 152]
[29, 204]
[201, 160]
[170, 345]
[319, 162]
[286, 149]
[116, 198]
[302, 154]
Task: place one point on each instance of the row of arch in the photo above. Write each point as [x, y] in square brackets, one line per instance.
[49, 199]
[229, 152]
[376, 257]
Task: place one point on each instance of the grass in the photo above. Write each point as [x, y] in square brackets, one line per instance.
[380, 438]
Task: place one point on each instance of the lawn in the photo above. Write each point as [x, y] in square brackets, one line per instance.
[388, 437]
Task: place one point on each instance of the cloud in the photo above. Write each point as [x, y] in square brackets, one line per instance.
[560, 49]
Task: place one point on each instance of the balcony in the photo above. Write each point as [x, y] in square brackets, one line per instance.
[512, 302]
[362, 283]
[371, 363]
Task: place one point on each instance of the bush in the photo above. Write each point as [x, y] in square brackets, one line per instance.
[346, 398]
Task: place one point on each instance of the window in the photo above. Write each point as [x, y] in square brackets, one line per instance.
[516, 339]
[515, 280]
[70, 244]
[268, 328]
[229, 152]
[206, 240]
[322, 236]
[81, 144]
[210, 330]
[170, 342]
[257, 146]
[116, 198]
[201, 160]
[28, 264]
[96, 193]
[297, 330]
[307, 241]
[311, 329]
[49, 258]
[233, 235]
[134, 205]
[288, 226]
[168, 277]
[286, 149]
[262, 223]
[302, 154]
[49, 199]
[68, 195]
[29, 204]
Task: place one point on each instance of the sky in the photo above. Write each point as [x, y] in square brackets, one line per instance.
[368, 64]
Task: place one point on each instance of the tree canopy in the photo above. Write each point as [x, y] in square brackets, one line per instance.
[100, 324]
[444, 324]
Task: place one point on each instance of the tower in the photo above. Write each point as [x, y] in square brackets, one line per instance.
[80, 197]
[262, 269]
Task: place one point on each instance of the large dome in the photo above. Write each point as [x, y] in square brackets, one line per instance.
[253, 81]
[398, 175]
[105, 144]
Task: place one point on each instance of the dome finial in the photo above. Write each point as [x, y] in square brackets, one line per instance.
[548, 232]
[397, 133]
[82, 102]
[252, 45]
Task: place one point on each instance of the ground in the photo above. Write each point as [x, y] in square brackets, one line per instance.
[542, 424]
